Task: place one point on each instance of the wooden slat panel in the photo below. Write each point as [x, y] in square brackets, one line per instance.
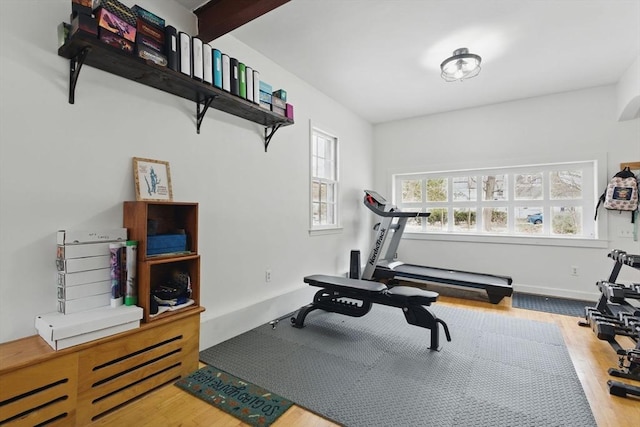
[105, 405]
[129, 363]
[40, 376]
[150, 335]
[131, 377]
[52, 396]
[102, 354]
[44, 414]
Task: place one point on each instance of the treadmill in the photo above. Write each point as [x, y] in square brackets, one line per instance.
[394, 222]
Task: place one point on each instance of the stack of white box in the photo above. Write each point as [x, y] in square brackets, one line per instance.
[84, 268]
[84, 291]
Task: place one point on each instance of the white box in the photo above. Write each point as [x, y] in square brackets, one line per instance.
[90, 336]
[83, 277]
[64, 330]
[82, 291]
[66, 237]
[84, 304]
[82, 250]
[75, 265]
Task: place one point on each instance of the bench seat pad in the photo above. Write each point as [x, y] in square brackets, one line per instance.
[413, 295]
[344, 283]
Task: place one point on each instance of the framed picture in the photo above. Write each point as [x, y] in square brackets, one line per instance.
[152, 180]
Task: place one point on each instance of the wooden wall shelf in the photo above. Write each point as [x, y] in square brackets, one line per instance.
[84, 49]
[631, 165]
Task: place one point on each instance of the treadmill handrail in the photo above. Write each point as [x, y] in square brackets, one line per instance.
[395, 213]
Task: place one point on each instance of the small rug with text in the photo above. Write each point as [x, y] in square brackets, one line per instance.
[245, 401]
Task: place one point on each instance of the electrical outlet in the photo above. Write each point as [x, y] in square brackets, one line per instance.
[625, 234]
[574, 270]
[267, 275]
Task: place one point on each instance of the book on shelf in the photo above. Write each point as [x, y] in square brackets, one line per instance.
[226, 72]
[242, 80]
[184, 49]
[171, 47]
[196, 55]
[217, 68]
[249, 78]
[207, 63]
[235, 82]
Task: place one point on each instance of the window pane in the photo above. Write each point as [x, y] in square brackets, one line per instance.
[328, 169]
[314, 166]
[566, 184]
[320, 171]
[528, 186]
[316, 213]
[528, 219]
[494, 187]
[323, 213]
[437, 190]
[328, 150]
[330, 213]
[320, 151]
[464, 219]
[412, 191]
[323, 192]
[329, 188]
[438, 220]
[315, 191]
[414, 224]
[495, 220]
[464, 188]
[566, 220]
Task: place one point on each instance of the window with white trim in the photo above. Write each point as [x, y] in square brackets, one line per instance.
[324, 181]
[555, 200]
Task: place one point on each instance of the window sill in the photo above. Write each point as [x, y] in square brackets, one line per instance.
[325, 231]
[510, 240]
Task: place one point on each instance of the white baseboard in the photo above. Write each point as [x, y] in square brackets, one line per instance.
[590, 295]
[216, 329]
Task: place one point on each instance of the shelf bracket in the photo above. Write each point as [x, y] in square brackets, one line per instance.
[75, 64]
[267, 137]
[200, 115]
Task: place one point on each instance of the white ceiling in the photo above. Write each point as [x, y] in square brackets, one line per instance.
[381, 58]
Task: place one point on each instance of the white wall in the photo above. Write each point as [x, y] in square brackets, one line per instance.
[568, 126]
[628, 92]
[69, 166]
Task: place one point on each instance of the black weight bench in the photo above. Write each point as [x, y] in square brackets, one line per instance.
[355, 298]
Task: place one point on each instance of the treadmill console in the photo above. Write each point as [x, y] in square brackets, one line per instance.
[374, 199]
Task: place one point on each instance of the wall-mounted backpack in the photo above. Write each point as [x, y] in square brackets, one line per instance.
[621, 193]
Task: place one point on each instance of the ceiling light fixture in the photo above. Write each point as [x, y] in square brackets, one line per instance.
[462, 65]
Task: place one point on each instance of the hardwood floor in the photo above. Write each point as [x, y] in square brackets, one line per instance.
[171, 406]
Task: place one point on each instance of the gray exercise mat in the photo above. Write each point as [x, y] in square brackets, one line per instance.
[376, 370]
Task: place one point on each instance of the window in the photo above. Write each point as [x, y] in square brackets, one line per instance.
[554, 200]
[324, 180]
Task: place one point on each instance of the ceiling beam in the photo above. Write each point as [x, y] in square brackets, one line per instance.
[219, 17]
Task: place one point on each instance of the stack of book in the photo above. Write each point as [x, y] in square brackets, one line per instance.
[266, 96]
[279, 100]
[150, 38]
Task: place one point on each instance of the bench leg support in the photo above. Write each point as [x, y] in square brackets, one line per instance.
[421, 316]
[335, 302]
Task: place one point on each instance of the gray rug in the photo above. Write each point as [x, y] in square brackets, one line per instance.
[565, 306]
[377, 371]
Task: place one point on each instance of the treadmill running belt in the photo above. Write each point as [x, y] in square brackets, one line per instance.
[451, 276]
